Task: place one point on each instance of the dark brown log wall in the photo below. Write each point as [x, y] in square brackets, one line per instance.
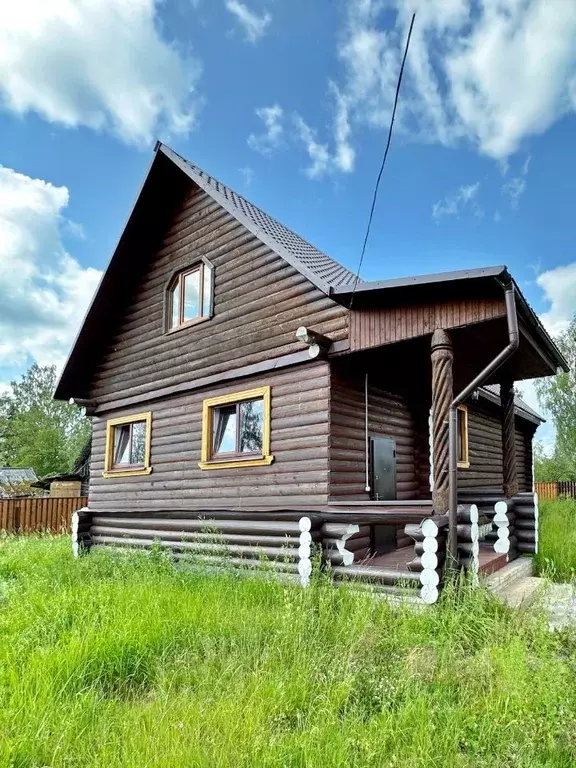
[388, 416]
[299, 441]
[485, 453]
[260, 301]
[524, 438]
[386, 325]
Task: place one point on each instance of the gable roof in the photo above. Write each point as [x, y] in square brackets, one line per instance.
[324, 272]
[144, 223]
[148, 215]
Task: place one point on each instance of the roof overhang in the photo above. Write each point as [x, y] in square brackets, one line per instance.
[488, 282]
[520, 408]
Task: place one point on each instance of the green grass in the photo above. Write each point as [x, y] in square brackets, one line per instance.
[131, 663]
[557, 550]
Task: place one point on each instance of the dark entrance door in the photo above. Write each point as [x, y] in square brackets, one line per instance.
[383, 464]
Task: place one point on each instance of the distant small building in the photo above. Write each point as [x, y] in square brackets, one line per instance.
[68, 484]
[14, 479]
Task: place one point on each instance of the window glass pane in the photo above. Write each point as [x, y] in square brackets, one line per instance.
[191, 295]
[224, 429]
[461, 425]
[207, 297]
[138, 442]
[175, 306]
[251, 426]
[121, 445]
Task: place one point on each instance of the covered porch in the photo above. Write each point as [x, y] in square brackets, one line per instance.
[459, 439]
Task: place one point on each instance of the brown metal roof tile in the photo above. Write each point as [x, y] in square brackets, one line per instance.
[319, 268]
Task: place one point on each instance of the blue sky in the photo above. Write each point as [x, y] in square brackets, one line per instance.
[288, 103]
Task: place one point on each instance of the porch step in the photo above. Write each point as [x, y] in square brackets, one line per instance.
[517, 569]
[522, 592]
[514, 584]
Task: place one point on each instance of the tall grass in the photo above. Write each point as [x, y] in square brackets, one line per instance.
[557, 546]
[107, 662]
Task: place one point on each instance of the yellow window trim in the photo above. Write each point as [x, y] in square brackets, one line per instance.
[120, 421]
[207, 462]
[466, 463]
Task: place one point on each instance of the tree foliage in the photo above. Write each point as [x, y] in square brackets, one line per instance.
[558, 396]
[551, 469]
[36, 430]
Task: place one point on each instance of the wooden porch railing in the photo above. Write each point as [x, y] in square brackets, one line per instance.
[551, 491]
[29, 515]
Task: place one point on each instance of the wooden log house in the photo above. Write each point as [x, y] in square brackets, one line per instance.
[237, 376]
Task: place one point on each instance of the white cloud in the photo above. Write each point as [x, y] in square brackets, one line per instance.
[488, 78]
[98, 64]
[253, 25]
[515, 187]
[273, 119]
[559, 286]
[44, 291]
[74, 229]
[323, 159]
[247, 174]
[344, 155]
[318, 153]
[455, 203]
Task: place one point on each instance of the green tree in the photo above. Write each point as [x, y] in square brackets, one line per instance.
[558, 396]
[550, 469]
[36, 430]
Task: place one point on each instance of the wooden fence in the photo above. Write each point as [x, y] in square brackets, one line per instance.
[49, 513]
[551, 491]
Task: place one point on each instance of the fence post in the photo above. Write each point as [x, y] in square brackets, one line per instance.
[16, 517]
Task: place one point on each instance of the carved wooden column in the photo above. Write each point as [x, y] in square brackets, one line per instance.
[442, 394]
[509, 468]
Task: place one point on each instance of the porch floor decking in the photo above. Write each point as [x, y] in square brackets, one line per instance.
[490, 561]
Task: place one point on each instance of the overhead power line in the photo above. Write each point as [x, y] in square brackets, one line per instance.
[383, 159]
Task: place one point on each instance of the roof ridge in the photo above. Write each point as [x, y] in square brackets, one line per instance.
[326, 273]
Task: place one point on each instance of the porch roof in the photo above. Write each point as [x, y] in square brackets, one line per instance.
[485, 282]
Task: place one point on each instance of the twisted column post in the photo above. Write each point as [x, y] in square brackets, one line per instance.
[442, 394]
[509, 467]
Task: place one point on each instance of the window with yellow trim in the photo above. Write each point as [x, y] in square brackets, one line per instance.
[236, 430]
[128, 445]
[463, 460]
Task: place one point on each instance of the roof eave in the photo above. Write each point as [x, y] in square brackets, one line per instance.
[493, 398]
[558, 359]
[549, 351]
[185, 167]
[418, 280]
[60, 389]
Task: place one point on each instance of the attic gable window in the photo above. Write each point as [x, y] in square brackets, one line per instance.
[190, 296]
[236, 430]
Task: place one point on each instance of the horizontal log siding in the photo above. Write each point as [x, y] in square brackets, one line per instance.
[485, 453]
[386, 325]
[299, 436]
[259, 302]
[388, 416]
[524, 459]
